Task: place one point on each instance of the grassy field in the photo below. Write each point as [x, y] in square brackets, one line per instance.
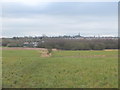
[63, 69]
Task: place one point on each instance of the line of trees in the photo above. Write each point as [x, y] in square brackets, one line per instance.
[63, 43]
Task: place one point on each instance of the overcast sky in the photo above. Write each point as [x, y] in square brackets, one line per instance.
[59, 18]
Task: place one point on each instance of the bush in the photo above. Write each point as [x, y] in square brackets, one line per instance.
[49, 51]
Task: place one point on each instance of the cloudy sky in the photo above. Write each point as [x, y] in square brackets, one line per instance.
[59, 18]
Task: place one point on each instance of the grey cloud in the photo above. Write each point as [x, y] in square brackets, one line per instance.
[60, 19]
[99, 9]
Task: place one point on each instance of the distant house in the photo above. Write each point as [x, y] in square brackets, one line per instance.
[25, 44]
[30, 44]
[35, 44]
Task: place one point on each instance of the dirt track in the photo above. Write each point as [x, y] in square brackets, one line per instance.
[43, 51]
[20, 48]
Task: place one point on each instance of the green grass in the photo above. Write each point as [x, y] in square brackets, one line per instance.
[64, 69]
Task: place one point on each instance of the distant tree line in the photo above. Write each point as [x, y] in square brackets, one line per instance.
[62, 43]
[65, 44]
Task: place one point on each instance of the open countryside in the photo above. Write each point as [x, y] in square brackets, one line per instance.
[35, 68]
[59, 44]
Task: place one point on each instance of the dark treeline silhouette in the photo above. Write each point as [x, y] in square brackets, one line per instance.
[63, 42]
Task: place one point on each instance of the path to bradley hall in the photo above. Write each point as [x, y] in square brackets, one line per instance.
[43, 51]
